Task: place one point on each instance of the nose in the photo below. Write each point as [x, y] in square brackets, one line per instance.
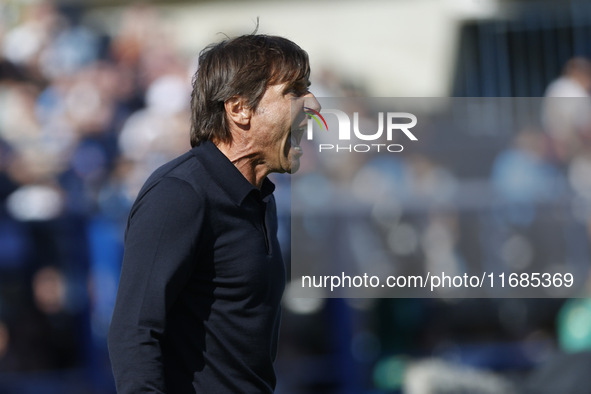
[311, 102]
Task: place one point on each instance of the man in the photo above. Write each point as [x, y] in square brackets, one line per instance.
[575, 80]
[566, 109]
[198, 305]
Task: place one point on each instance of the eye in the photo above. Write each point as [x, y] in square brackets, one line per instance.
[296, 91]
[299, 88]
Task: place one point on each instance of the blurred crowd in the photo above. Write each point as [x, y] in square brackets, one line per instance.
[87, 114]
[85, 117]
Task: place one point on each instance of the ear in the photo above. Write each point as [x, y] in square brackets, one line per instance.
[237, 111]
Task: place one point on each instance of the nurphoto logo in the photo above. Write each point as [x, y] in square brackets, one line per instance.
[392, 120]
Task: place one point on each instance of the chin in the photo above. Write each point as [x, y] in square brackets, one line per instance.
[290, 161]
[293, 167]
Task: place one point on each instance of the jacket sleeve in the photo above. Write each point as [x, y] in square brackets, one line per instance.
[162, 235]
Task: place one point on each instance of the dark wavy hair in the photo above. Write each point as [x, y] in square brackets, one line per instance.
[243, 66]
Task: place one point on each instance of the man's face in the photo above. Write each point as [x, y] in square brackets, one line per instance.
[278, 125]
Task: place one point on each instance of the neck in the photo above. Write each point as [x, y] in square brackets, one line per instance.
[246, 160]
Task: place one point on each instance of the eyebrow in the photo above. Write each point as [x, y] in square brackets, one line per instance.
[303, 82]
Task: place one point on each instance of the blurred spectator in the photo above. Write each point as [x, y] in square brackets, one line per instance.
[567, 108]
[4, 347]
[574, 82]
[43, 336]
[159, 129]
[24, 43]
[523, 176]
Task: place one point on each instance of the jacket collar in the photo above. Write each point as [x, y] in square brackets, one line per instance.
[227, 176]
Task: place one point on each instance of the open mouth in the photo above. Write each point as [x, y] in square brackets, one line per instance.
[295, 138]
